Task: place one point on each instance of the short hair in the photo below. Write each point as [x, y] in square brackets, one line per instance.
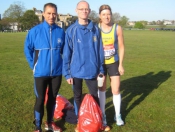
[83, 1]
[51, 5]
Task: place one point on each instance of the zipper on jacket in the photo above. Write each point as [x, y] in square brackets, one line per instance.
[51, 51]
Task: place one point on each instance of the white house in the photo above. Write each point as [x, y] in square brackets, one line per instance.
[13, 26]
[131, 23]
[167, 22]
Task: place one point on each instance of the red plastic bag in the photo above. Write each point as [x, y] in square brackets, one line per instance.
[61, 103]
[89, 116]
[46, 96]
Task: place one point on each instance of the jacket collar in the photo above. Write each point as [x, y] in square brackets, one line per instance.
[49, 26]
[89, 26]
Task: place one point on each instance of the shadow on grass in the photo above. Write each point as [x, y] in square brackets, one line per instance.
[140, 86]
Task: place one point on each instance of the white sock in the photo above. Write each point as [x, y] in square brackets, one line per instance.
[102, 100]
[117, 103]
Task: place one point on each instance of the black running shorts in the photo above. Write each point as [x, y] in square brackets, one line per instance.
[111, 69]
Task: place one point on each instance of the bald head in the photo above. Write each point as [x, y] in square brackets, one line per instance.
[82, 2]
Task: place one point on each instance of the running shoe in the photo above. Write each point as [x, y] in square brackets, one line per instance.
[52, 126]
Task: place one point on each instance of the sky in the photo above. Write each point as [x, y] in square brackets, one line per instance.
[135, 10]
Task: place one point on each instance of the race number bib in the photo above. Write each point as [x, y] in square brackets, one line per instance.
[109, 51]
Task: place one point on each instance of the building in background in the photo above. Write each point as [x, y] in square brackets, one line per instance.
[62, 20]
[39, 13]
[13, 26]
[168, 22]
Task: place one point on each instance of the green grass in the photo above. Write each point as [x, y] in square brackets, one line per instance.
[158, 26]
[154, 26]
[147, 86]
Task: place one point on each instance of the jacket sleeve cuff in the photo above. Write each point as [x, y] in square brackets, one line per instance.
[67, 76]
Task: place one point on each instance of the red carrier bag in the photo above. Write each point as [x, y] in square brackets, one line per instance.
[61, 103]
[90, 115]
[46, 96]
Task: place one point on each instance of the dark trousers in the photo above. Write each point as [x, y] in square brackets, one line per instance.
[77, 90]
[41, 83]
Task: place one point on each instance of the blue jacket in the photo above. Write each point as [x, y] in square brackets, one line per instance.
[43, 49]
[83, 55]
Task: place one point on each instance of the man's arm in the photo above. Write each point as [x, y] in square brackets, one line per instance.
[67, 55]
[29, 49]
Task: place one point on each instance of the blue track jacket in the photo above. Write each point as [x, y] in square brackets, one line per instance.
[83, 55]
[43, 49]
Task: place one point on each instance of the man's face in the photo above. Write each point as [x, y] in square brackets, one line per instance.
[83, 10]
[50, 15]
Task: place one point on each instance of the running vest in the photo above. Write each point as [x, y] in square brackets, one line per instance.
[110, 45]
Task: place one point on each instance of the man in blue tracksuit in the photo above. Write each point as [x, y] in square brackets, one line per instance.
[83, 55]
[43, 50]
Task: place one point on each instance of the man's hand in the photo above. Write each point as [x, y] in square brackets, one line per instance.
[70, 81]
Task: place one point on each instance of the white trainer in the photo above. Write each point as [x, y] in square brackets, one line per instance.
[119, 121]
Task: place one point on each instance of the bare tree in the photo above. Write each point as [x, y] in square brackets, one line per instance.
[5, 22]
[153, 23]
[116, 17]
[161, 24]
[123, 21]
[94, 16]
[15, 11]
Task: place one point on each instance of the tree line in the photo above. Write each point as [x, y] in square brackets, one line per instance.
[17, 13]
[26, 19]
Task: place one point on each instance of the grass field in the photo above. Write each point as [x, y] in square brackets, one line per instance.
[147, 87]
[155, 26]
